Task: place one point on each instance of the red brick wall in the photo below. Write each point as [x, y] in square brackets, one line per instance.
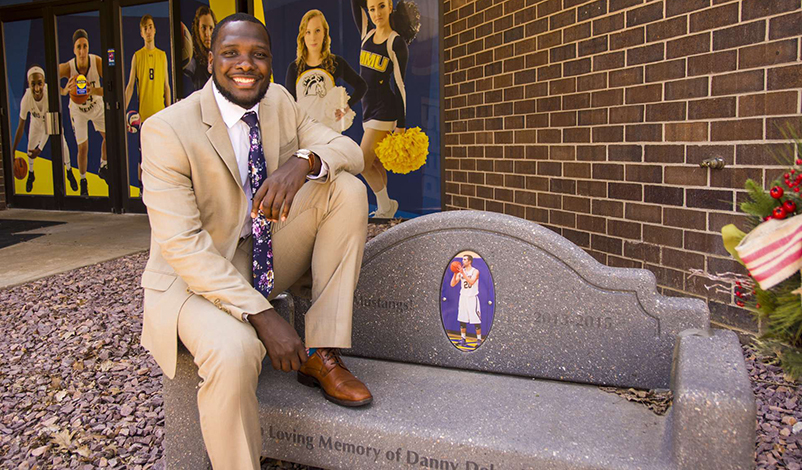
[591, 118]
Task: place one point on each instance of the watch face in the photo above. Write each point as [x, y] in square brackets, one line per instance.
[303, 153]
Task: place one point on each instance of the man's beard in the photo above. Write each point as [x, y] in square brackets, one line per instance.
[243, 104]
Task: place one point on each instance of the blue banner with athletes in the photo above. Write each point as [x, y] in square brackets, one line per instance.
[371, 70]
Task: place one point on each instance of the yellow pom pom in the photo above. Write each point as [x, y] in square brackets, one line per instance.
[404, 152]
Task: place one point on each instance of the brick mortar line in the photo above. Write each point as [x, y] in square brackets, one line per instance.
[626, 10]
[766, 40]
[764, 91]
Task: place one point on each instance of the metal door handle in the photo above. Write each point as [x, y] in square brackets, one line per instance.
[53, 123]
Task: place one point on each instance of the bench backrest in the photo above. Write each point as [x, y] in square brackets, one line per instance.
[550, 311]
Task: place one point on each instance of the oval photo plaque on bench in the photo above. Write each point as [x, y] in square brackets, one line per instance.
[467, 300]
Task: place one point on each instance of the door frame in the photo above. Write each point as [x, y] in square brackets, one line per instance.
[58, 201]
[50, 202]
[113, 202]
[135, 204]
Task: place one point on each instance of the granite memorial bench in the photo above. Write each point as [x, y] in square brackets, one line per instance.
[555, 325]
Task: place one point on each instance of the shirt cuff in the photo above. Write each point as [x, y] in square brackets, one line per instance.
[324, 171]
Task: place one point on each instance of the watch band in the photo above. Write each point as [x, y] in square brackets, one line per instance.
[307, 155]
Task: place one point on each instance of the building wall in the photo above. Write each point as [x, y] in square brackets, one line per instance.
[2, 187]
[591, 118]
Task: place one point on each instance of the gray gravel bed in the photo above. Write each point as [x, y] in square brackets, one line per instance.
[77, 390]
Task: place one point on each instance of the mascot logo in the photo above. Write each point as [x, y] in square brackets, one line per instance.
[314, 85]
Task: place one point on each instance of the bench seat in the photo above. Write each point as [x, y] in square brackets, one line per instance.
[445, 414]
[460, 417]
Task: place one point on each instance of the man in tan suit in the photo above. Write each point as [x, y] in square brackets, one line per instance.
[197, 167]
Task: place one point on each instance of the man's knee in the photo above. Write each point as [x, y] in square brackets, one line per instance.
[349, 190]
[237, 358]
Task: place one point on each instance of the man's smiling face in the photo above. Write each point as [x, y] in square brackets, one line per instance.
[241, 62]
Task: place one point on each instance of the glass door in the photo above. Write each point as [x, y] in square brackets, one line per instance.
[86, 91]
[145, 65]
[31, 154]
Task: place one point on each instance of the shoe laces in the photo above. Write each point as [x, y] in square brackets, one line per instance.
[331, 357]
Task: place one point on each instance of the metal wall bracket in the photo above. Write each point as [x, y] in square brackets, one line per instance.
[715, 163]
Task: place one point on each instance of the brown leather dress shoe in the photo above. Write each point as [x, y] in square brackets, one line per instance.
[325, 369]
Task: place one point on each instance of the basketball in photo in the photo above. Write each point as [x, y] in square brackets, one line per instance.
[81, 93]
[20, 168]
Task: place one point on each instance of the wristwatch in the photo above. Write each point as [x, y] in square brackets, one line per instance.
[306, 154]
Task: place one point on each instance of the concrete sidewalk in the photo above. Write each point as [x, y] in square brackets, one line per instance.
[85, 238]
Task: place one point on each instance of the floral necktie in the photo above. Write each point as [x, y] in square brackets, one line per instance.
[262, 242]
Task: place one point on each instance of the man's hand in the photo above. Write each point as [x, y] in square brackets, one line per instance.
[280, 189]
[34, 153]
[285, 348]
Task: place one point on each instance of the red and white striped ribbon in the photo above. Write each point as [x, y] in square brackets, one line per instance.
[772, 252]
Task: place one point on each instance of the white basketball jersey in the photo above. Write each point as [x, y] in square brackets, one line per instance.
[37, 110]
[93, 77]
[465, 289]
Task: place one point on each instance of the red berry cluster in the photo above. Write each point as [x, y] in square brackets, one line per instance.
[743, 294]
[792, 180]
[788, 207]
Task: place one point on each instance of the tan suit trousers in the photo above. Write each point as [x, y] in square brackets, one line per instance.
[325, 230]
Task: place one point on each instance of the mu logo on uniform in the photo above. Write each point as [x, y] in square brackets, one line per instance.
[373, 61]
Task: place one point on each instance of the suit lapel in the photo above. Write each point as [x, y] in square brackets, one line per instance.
[218, 132]
[269, 127]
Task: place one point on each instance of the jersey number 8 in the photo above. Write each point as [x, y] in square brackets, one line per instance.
[151, 73]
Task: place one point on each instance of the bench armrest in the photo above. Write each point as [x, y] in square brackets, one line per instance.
[713, 415]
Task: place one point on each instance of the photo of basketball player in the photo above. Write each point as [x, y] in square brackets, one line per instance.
[383, 63]
[149, 75]
[85, 107]
[470, 311]
[468, 299]
[198, 67]
[315, 71]
[34, 103]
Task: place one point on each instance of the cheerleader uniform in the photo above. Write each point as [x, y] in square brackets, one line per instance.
[383, 106]
[314, 83]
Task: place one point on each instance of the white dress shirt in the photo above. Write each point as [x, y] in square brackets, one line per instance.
[238, 132]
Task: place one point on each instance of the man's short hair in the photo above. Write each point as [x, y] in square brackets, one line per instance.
[240, 17]
[145, 19]
[470, 258]
[78, 34]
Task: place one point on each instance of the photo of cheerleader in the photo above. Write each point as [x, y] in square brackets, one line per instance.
[312, 77]
[383, 61]
[198, 67]
[34, 103]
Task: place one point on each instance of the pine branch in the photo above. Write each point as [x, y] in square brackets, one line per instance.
[761, 203]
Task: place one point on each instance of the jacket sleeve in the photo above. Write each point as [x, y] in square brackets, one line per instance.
[338, 151]
[176, 226]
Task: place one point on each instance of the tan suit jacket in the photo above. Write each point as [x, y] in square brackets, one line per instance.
[197, 206]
